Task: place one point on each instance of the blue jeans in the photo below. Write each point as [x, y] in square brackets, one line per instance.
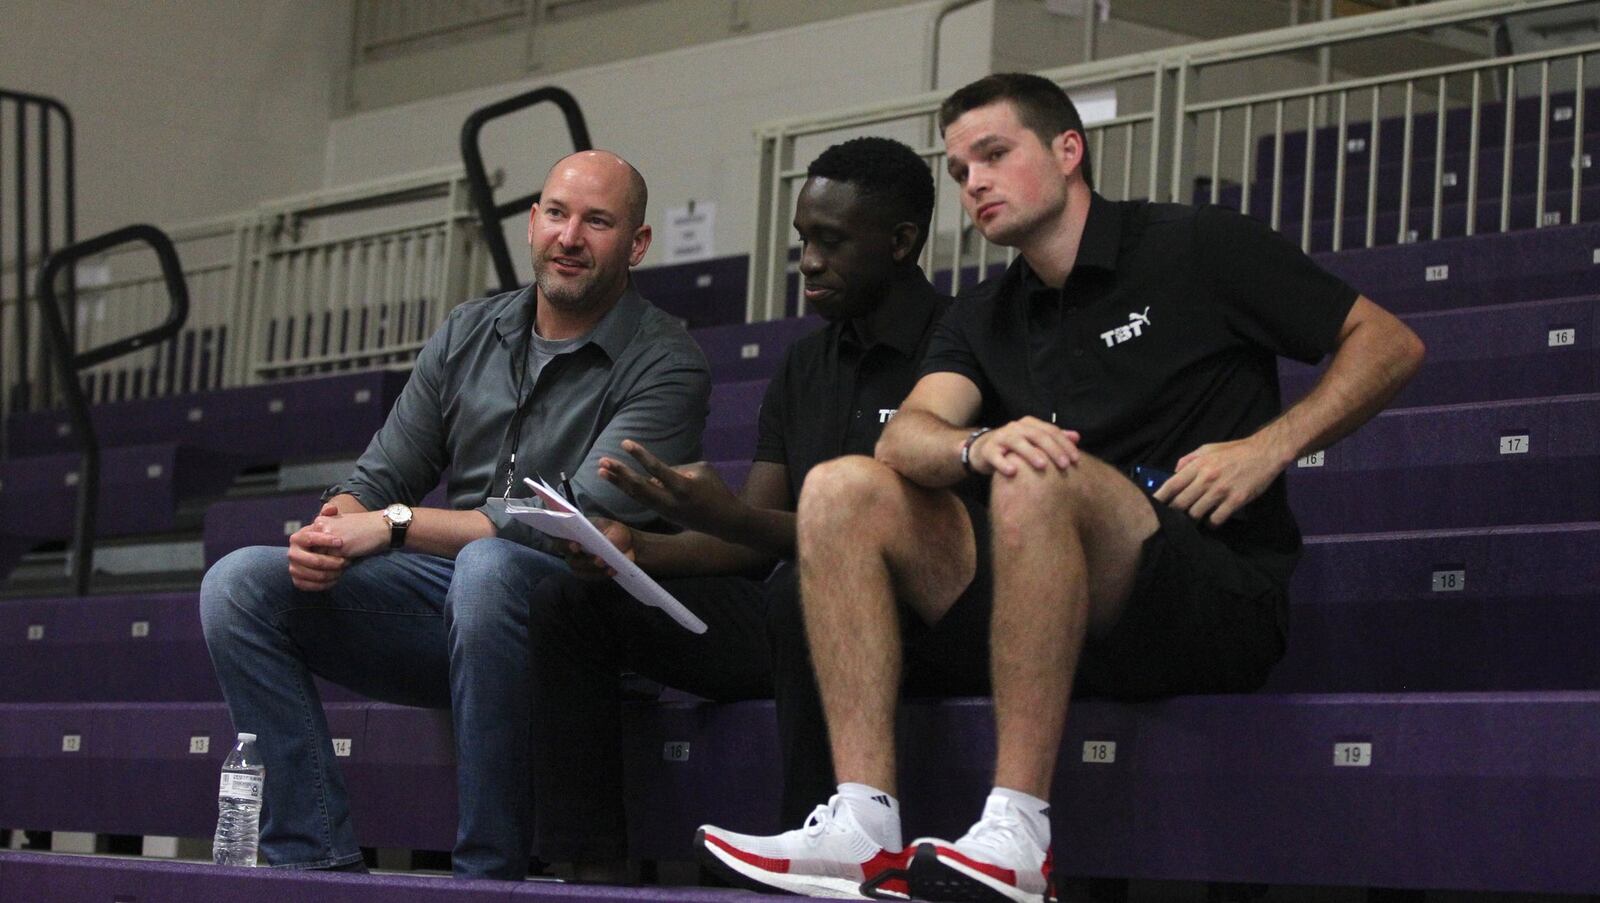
[399, 627]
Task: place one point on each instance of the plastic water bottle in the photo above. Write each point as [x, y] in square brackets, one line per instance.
[239, 805]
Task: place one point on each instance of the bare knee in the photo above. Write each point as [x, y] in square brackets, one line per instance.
[1081, 497]
[854, 490]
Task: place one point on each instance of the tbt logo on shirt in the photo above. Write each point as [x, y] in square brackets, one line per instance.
[1135, 328]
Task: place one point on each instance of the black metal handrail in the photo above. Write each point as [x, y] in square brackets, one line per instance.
[490, 214]
[33, 229]
[68, 363]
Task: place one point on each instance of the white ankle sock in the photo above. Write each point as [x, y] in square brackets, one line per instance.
[876, 812]
[1034, 812]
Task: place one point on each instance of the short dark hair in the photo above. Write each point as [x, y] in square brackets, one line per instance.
[886, 171]
[1043, 107]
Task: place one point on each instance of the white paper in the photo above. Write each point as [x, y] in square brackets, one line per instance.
[564, 521]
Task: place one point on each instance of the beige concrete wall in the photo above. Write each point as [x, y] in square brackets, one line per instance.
[685, 117]
[183, 109]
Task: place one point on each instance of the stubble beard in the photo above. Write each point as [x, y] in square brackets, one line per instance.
[573, 296]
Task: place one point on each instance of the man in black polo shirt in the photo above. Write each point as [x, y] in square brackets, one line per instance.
[1126, 335]
[862, 216]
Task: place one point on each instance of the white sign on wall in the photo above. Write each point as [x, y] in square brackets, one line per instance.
[1095, 104]
[688, 232]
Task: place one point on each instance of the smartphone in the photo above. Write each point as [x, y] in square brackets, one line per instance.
[1148, 478]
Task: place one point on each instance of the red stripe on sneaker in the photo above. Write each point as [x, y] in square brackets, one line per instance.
[781, 866]
[885, 861]
[1009, 876]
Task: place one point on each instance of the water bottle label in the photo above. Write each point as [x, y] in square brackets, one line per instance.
[241, 786]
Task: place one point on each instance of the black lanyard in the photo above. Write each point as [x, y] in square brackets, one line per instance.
[515, 434]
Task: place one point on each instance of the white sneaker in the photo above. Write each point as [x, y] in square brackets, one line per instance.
[830, 856]
[997, 860]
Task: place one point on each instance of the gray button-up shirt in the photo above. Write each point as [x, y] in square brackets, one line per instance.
[638, 376]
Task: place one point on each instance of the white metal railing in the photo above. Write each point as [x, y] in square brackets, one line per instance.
[333, 280]
[329, 297]
[1449, 101]
[1169, 130]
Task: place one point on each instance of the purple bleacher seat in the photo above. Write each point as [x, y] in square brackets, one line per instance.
[35, 876]
[268, 520]
[1485, 792]
[161, 768]
[690, 764]
[1454, 178]
[1557, 262]
[140, 489]
[704, 292]
[1505, 608]
[1391, 134]
[744, 351]
[1453, 218]
[730, 433]
[122, 647]
[733, 473]
[403, 785]
[970, 275]
[127, 765]
[323, 416]
[265, 521]
[52, 758]
[135, 647]
[26, 625]
[1469, 465]
[1492, 353]
[57, 877]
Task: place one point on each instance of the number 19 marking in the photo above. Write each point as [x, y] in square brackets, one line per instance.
[1352, 755]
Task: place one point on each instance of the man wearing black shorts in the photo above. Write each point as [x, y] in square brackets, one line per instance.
[1126, 335]
[862, 217]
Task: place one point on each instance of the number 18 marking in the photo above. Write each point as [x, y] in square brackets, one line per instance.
[1100, 752]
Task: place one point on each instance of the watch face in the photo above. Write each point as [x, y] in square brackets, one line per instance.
[397, 514]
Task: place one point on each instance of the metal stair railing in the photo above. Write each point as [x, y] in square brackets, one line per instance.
[491, 214]
[68, 363]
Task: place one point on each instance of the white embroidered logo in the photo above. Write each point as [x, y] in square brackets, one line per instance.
[1135, 328]
[886, 414]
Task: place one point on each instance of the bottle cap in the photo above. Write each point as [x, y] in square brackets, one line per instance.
[247, 737]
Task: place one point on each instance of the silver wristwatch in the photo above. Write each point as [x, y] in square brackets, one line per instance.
[398, 517]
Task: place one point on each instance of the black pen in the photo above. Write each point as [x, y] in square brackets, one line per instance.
[566, 490]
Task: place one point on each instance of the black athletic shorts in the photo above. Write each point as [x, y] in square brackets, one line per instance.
[1201, 619]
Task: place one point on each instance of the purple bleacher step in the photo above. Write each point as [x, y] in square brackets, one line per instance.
[1496, 268]
[730, 433]
[127, 647]
[322, 416]
[1467, 791]
[1524, 215]
[60, 877]
[1453, 177]
[743, 351]
[140, 489]
[1502, 608]
[268, 520]
[1527, 461]
[1457, 791]
[1505, 351]
[703, 292]
[1424, 125]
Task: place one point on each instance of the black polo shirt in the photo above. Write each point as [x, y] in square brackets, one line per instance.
[839, 386]
[1164, 338]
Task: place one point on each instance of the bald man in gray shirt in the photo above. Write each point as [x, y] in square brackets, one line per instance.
[427, 606]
